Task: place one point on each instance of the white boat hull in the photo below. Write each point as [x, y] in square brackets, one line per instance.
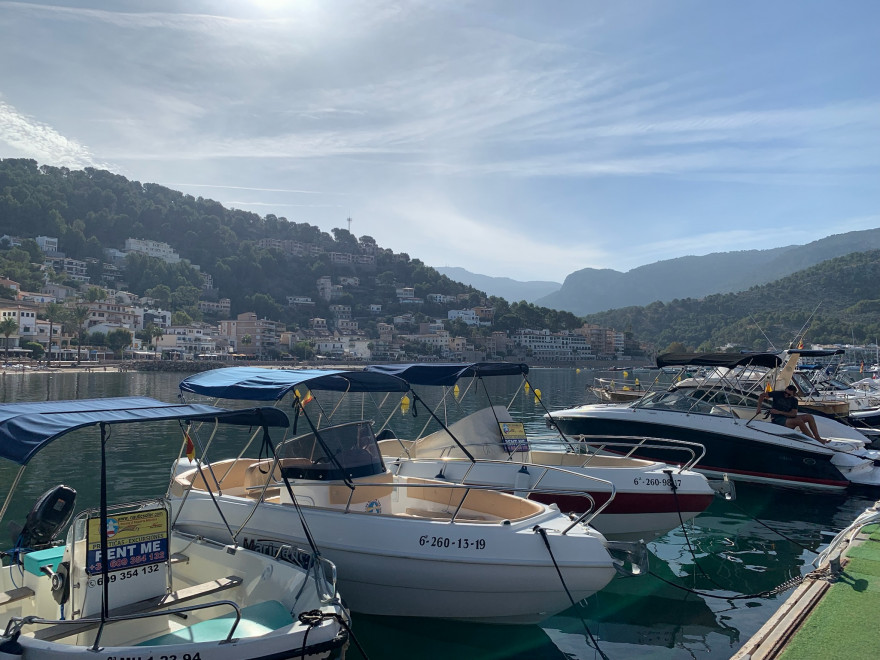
[406, 565]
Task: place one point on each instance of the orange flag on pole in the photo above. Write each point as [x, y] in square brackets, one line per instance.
[190, 447]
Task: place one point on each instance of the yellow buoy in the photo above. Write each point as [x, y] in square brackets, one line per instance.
[404, 404]
[626, 374]
[527, 388]
[455, 391]
[577, 371]
[537, 395]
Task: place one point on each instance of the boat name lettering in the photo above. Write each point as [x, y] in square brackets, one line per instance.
[173, 656]
[279, 550]
[655, 481]
[447, 542]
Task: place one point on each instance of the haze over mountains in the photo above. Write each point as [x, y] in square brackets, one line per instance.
[592, 289]
[504, 287]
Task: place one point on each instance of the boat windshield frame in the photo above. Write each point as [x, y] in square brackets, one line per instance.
[353, 452]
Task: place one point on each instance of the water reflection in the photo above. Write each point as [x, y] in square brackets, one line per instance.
[632, 618]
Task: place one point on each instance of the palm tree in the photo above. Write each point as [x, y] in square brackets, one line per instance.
[154, 332]
[55, 313]
[78, 315]
[8, 326]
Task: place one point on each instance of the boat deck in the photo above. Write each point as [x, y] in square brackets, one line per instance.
[828, 618]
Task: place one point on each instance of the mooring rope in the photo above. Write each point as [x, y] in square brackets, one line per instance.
[543, 532]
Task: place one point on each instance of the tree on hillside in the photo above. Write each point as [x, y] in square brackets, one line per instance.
[8, 327]
[95, 293]
[117, 340]
[55, 314]
[78, 315]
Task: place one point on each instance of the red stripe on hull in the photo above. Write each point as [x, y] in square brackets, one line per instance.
[777, 477]
[629, 502]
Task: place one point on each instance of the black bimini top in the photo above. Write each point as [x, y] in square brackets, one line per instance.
[26, 428]
[729, 360]
[440, 374]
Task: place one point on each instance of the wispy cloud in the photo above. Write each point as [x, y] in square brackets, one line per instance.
[37, 140]
[488, 245]
[277, 190]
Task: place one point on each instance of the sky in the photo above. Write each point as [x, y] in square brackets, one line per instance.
[511, 138]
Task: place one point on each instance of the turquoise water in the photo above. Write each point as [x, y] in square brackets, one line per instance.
[642, 617]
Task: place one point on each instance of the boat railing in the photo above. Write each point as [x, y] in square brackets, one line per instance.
[524, 491]
[625, 384]
[627, 446]
[78, 626]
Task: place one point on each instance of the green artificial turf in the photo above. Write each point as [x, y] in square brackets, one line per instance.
[845, 622]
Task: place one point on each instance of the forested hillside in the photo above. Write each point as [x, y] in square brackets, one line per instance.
[90, 210]
[844, 292]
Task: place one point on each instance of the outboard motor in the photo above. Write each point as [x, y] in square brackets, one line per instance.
[49, 515]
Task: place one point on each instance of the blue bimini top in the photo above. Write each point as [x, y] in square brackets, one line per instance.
[259, 384]
[440, 374]
[26, 428]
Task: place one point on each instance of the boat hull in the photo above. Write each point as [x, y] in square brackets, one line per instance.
[427, 568]
[643, 507]
[742, 452]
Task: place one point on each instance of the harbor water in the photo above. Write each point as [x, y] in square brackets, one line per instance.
[765, 538]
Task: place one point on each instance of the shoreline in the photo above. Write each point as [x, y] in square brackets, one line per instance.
[188, 366]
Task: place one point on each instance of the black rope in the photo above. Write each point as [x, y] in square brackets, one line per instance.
[313, 618]
[684, 529]
[785, 586]
[775, 531]
[543, 532]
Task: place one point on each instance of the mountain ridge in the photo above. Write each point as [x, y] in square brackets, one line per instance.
[591, 290]
[504, 287]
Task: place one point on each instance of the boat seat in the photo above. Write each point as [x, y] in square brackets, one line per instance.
[428, 513]
[13, 595]
[174, 599]
[363, 491]
[255, 475]
[258, 619]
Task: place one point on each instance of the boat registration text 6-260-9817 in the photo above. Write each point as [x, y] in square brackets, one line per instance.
[456, 543]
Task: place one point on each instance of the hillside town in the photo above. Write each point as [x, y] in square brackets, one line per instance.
[89, 320]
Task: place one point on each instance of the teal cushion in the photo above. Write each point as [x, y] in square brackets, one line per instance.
[256, 620]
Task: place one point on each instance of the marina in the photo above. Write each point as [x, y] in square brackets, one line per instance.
[764, 538]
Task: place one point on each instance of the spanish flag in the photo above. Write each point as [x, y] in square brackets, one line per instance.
[190, 447]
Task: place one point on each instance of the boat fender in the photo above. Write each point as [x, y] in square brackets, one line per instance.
[522, 481]
[61, 583]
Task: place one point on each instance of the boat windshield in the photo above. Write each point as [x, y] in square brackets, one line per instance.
[343, 451]
[674, 400]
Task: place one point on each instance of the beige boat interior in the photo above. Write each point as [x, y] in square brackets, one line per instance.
[480, 433]
[383, 494]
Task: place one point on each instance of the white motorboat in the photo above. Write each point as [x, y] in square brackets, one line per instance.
[160, 593]
[403, 546]
[627, 498]
[746, 449]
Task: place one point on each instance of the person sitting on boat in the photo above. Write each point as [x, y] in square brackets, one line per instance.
[784, 411]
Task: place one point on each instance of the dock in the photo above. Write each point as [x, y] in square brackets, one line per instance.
[833, 613]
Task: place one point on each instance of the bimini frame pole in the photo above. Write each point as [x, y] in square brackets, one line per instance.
[11, 491]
